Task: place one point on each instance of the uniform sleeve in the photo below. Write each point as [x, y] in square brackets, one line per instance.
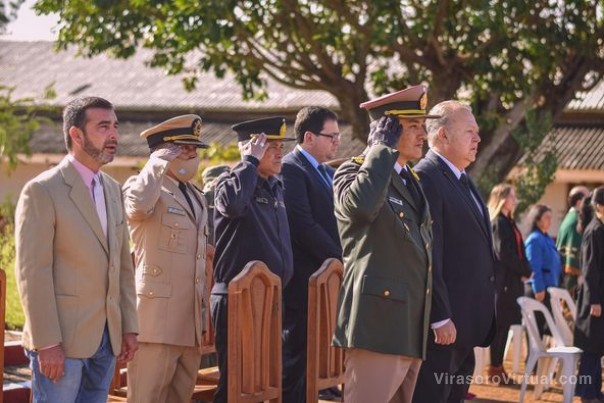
[441, 305]
[360, 192]
[235, 189]
[34, 234]
[141, 192]
[304, 228]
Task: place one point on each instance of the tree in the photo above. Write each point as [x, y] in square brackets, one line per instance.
[506, 58]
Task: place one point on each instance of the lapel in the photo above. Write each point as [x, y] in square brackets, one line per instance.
[307, 166]
[480, 219]
[399, 186]
[80, 196]
[203, 216]
[172, 189]
[111, 203]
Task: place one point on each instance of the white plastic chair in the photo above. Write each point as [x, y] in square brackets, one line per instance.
[515, 339]
[482, 358]
[557, 295]
[568, 356]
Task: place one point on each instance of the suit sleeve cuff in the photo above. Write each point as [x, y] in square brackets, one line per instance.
[439, 324]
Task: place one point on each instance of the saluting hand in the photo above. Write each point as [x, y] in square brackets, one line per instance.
[256, 147]
[387, 131]
[167, 152]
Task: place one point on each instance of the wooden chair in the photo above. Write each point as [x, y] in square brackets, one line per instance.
[325, 364]
[254, 335]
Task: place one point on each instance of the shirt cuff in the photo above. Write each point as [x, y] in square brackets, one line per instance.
[47, 347]
[439, 324]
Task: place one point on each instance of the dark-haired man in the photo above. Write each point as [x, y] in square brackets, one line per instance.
[73, 266]
[308, 193]
[250, 222]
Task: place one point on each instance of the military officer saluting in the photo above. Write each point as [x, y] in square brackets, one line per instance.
[250, 222]
[385, 228]
[168, 218]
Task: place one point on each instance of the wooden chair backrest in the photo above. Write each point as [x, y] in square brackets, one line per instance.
[254, 335]
[207, 341]
[3, 319]
[325, 364]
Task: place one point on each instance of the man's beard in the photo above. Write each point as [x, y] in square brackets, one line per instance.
[97, 153]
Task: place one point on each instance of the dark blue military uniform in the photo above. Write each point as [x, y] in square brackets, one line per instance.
[250, 224]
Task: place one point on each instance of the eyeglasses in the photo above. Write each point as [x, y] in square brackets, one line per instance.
[333, 136]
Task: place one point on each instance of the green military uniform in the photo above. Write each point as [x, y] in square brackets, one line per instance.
[568, 244]
[385, 299]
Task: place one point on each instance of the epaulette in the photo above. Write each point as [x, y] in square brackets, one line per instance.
[359, 159]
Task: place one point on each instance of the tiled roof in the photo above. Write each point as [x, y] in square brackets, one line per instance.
[591, 101]
[577, 148]
[130, 84]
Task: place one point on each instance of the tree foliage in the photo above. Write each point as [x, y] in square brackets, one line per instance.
[503, 57]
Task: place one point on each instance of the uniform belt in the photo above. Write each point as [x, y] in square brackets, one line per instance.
[220, 288]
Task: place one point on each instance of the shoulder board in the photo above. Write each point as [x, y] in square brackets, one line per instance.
[359, 159]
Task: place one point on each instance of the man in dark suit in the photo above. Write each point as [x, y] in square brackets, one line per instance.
[463, 304]
[308, 198]
[384, 224]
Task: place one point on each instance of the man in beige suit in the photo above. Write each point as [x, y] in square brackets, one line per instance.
[168, 222]
[73, 266]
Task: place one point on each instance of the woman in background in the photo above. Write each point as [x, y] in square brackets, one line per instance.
[543, 257]
[589, 329]
[511, 269]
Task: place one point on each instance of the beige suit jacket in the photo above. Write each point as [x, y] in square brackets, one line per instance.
[170, 252]
[71, 277]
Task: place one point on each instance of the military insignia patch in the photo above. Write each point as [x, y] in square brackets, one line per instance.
[423, 101]
[197, 127]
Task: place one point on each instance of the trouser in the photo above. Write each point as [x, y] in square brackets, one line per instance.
[219, 311]
[446, 374]
[294, 355]
[85, 380]
[377, 377]
[163, 373]
[589, 379]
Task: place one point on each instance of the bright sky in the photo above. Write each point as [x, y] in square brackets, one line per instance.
[30, 27]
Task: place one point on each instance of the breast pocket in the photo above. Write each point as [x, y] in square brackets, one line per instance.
[175, 233]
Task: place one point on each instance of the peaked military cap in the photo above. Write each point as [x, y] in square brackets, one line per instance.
[410, 103]
[273, 128]
[185, 129]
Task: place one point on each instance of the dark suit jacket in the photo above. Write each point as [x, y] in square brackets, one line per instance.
[511, 265]
[462, 253]
[384, 302]
[312, 223]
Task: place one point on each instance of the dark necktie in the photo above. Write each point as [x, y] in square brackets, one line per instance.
[406, 175]
[326, 177]
[465, 183]
[183, 189]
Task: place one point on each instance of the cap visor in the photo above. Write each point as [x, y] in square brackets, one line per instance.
[280, 138]
[417, 116]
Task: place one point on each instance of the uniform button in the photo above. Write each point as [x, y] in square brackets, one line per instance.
[492, 279]
[427, 244]
[150, 293]
[401, 214]
[176, 224]
[172, 236]
[428, 291]
[197, 280]
[198, 257]
[429, 268]
[387, 293]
